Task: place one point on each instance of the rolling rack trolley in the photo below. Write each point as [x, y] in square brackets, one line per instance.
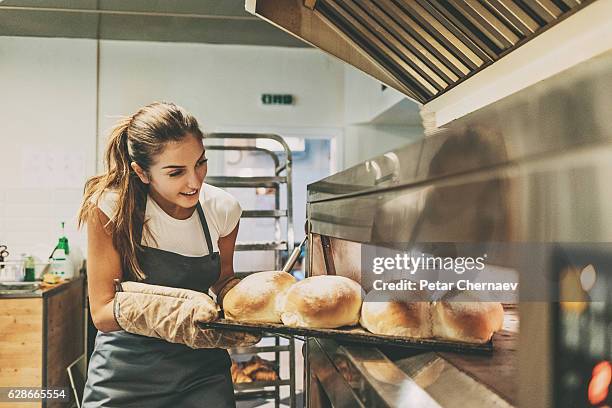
[282, 175]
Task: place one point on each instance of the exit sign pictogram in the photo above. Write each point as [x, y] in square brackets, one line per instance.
[277, 99]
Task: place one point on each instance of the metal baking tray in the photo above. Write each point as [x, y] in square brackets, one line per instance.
[353, 334]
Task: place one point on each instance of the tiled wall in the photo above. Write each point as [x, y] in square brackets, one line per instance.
[47, 138]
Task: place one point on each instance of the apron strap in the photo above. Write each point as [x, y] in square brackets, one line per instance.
[205, 228]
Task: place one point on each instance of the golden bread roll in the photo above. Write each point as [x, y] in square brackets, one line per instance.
[472, 322]
[406, 314]
[258, 297]
[323, 301]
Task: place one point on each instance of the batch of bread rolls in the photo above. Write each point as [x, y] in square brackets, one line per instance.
[329, 301]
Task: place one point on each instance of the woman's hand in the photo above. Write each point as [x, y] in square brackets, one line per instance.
[103, 267]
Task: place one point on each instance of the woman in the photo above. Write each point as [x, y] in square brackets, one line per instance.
[151, 219]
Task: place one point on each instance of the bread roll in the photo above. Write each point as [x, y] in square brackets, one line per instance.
[323, 301]
[406, 314]
[258, 297]
[472, 322]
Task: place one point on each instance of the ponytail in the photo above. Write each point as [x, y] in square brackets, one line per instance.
[127, 222]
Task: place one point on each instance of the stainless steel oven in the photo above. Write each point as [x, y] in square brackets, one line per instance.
[521, 176]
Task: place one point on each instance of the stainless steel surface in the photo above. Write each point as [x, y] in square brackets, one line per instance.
[16, 288]
[446, 384]
[420, 47]
[294, 256]
[324, 374]
[531, 168]
[193, 21]
[357, 376]
[540, 154]
[476, 33]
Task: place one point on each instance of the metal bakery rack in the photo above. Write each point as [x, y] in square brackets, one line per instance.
[282, 162]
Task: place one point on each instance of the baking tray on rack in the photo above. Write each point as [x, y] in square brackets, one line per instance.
[353, 334]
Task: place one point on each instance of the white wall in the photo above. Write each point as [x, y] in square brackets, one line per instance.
[49, 113]
[47, 137]
[364, 97]
[221, 85]
[368, 130]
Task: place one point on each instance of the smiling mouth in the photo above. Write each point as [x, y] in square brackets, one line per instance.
[190, 194]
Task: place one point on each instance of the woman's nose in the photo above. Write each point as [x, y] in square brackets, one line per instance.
[197, 178]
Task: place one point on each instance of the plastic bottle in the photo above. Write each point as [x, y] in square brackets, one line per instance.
[61, 265]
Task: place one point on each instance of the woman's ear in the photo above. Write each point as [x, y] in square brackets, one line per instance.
[140, 172]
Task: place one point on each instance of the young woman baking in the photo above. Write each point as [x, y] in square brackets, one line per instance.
[154, 225]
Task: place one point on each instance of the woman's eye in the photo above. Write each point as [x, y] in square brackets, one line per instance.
[178, 173]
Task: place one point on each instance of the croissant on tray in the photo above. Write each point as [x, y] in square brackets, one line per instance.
[256, 369]
[264, 374]
[256, 363]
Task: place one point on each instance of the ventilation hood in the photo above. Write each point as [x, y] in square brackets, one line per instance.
[422, 48]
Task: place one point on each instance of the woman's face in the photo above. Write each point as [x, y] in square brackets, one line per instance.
[177, 174]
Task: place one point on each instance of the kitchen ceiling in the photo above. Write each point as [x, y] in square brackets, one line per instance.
[194, 21]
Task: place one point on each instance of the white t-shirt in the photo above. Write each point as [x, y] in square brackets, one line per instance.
[185, 237]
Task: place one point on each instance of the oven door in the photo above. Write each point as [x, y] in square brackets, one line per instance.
[582, 324]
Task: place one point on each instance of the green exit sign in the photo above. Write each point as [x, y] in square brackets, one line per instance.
[277, 99]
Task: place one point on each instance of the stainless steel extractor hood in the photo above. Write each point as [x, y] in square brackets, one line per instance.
[420, 47]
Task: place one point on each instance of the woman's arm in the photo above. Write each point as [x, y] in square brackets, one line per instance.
[103, 266]
[226, 251]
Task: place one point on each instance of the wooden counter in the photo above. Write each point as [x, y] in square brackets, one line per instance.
[41, 333]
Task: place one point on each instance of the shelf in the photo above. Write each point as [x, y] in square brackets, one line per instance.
[260, 384]
[258, 394]
[279, 174]
[261, 246]
[226, 181]
[264, 213]
[256, 349]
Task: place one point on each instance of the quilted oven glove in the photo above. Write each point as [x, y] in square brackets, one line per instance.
[171, 314]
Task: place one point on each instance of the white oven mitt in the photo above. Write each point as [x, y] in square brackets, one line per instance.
[171, 314]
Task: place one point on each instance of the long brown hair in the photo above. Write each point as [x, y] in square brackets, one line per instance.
[137, 138]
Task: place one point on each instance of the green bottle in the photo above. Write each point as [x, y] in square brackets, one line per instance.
[30, 269]
[63, 241]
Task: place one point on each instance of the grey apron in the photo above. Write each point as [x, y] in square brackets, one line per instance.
[128, 370]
